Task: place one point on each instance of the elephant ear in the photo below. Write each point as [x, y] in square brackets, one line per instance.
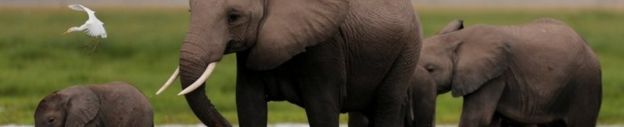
[478, 60]
[452, 26]
[82, 107]
[292, 25]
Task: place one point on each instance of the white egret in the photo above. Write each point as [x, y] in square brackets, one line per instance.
[92, 27]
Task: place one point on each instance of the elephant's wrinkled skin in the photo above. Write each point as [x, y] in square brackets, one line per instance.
[115, 104]
[542, 72]
[327, 56]
[423, 101]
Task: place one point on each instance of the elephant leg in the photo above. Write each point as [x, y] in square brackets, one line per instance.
[392, 94]
[321, 98]
[321, 103]
[423, 111]
[479, 107]
[357, 119]
[423, 97]
[585, 104]
[251, 101]
[251, 105]
[322, 80]
[580, 118]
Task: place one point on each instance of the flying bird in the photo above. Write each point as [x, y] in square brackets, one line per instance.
[92, 27]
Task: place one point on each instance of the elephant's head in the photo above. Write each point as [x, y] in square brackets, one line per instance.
[267, 32]
[71, 107]
[461, 60]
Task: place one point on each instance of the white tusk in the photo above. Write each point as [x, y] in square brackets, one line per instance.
[169, 81]
[201, 79]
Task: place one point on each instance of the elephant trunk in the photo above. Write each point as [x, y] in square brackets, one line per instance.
[203, 46]
[198, 56]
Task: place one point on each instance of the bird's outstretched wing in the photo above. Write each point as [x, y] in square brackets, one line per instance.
[93, 26]
[79, 7]
[96, 30]
[76, 7]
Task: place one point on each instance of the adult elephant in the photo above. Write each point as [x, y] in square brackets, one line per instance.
[542, 72]
[327, 56]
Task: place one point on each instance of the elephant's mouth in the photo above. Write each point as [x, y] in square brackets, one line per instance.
[191, 87]
[234, 46]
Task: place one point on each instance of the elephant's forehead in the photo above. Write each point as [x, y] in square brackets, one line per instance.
[434, 45]
[50, 101]
[48, 105]
[431, 41]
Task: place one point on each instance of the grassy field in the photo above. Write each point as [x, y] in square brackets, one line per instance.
[142, 48]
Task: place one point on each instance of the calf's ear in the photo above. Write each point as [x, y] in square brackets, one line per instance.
[478, 61]
[82, 107]
[452, 26]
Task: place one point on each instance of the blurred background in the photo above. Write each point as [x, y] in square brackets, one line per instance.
[144, 37]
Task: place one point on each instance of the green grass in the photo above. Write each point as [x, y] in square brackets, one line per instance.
[142, 48]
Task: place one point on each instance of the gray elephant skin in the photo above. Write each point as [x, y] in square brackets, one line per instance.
[540, 73]
[115, 104]
[327, 56]
[423, 102]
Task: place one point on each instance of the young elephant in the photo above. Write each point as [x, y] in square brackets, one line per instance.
[114, 104]
[542, 72]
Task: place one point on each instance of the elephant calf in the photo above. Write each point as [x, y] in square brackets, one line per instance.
[542, 72]
[114, 104]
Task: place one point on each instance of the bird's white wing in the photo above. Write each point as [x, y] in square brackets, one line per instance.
[79, 7]
[76, 7]
[95, 28]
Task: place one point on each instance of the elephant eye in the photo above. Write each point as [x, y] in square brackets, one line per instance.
[430, 68]
[236, 17]
[233, 17]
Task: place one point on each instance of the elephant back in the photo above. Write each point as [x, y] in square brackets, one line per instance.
[122, 98]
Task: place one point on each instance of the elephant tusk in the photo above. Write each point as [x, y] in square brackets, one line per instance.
[169, 81]
[201, 79]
